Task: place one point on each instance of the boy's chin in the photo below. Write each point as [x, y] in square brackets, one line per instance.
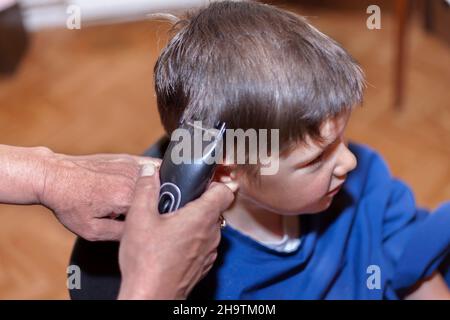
[313, 209]
[318, 206]
[325, 203]
[321, 205]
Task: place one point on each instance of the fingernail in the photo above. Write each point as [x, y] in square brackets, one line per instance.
[232, 186]
[144, 162]
[147, 170]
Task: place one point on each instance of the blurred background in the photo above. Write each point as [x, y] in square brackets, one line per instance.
[76, 76]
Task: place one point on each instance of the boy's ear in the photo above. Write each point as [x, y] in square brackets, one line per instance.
[227, 175]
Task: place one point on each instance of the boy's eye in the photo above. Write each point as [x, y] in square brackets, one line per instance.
[313, 163]
[316, 160]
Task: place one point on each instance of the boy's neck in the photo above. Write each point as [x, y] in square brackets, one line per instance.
[259, 223]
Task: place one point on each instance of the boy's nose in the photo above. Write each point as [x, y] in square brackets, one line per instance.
[346, 162]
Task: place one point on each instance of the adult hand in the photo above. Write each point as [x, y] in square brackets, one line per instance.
[86, 193]
[164, 256]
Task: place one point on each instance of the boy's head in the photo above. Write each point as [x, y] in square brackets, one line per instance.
[255, 66]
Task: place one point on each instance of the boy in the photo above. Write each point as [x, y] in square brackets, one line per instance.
[331, 223]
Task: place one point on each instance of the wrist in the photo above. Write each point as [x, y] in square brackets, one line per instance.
[44, 163]
[136, 289]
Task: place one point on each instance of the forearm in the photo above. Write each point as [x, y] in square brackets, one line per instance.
[22, 173]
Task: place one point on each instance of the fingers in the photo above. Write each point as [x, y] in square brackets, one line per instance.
[219, 195]
[146, 195]
[209, 262]
[216, 199]
[125, 188]
[211, 258]
[111, 157]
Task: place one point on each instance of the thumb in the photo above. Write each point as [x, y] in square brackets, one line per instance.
[146, 195]
[147, 160]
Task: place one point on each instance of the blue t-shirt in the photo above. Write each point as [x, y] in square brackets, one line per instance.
[373, 242]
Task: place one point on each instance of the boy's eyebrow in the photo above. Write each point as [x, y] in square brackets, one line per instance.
[325, 147]
[318, 153]
[321, 150]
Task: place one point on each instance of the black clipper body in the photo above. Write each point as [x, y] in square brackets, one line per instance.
[186, 181]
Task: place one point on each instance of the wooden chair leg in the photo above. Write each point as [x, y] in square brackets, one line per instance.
[401, 14]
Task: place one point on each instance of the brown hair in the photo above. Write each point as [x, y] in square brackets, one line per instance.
[256, 66]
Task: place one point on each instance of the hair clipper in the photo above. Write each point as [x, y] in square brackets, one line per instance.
[182, 182]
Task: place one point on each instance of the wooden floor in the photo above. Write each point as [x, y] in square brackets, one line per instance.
[91, 91]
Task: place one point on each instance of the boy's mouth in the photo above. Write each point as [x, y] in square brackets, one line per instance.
[335, 190]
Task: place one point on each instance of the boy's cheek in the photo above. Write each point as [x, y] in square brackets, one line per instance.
[288, 193]
[288, 200]
[303, 197]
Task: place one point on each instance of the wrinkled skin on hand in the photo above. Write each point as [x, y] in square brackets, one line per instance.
[86, 193]
[164, 256]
